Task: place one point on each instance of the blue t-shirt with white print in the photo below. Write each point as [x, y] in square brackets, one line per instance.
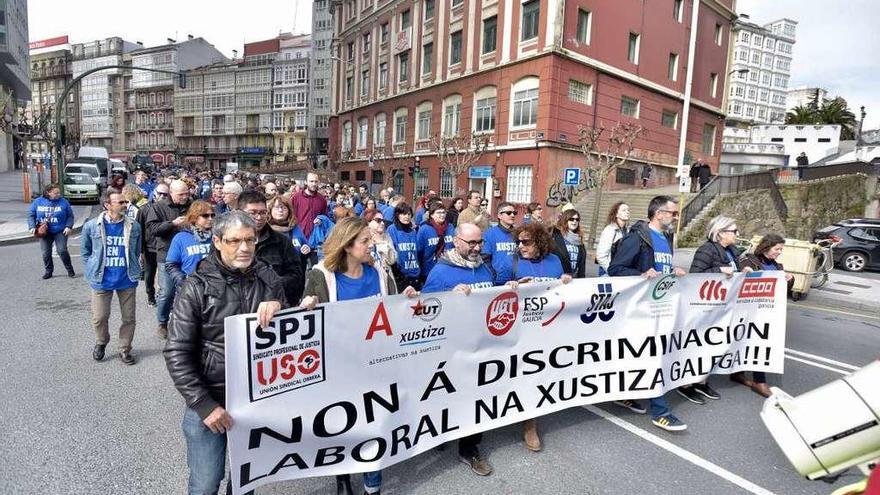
[115, 259]
[427, 243]
[445, 277]
[662, 252]
[187, 251]
[499, 244]
[405, 243]
[539, 270]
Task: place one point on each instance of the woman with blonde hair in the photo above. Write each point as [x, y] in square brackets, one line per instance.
[283, 221]
[136, 199]
[348, 272]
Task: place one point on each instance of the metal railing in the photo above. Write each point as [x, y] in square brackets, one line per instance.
[732, 184]
[825, 171]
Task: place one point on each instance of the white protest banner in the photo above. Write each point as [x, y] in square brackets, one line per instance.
[361, 385]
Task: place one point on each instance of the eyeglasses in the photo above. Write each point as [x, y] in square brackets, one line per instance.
[472, 244]
[511, 212]
[673, 212]
[525, 242]
[159, 193]
[207, 215]
[236, 243]
[259, 213]
[120, 202]
[734, 231]
[378, 220]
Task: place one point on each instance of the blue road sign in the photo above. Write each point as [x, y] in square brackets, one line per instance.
[572, 176]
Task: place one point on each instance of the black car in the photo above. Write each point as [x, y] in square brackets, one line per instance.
[858, 241]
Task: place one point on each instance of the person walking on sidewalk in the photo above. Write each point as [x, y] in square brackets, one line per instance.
[111, 249]
[164, 221]
[56, 213]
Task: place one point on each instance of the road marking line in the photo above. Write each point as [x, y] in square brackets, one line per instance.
[829, 368]
[830, 310]
[822, 359]
[680, 452]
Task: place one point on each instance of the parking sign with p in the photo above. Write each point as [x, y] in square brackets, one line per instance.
[572, 176]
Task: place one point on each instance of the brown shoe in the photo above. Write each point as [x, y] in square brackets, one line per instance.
[761, 389]
[162, 331]
[530, 435]
[741, 379]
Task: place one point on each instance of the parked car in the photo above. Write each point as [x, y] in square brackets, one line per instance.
[858, 241]
[80, 187]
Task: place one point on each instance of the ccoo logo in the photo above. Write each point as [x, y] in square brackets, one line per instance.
[713, 290]
[501, 313]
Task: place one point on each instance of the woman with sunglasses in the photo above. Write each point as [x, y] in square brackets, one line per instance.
[383, 246]
[404, 236]
[434, 237]
[717, 255]
[569, 242]
[191, 245]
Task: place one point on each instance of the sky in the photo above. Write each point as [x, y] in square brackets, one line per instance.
[834, 49]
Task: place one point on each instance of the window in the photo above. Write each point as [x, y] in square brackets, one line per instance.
[765, 95]
[490, 33]
[349, 87]
[403, 65]
[770, 44]
[405, 21]
[366, 42]
[719, 33]
[753, 75]
[750, 111]
[452, 116]
[584, 26]
[824, 140]
[713, 85]
[423, 125]
[768, 61]
[349, 51]
[672, 70]
[400, 126]
[519, 184]
[629, 106]
[362, 134]
[678, 10]
[383, 33]
[669, 119]
[397, 180]
[762, 113]
[708, 139]
[758, 40]
[485, 111]
[427, 55]
[379, 131]
[632, 53]
[447, 184]
[865, 234]
[383, 75]
[530, 13]
[756, 58]
[745, 36]
[365, 83]
[580, 92]
[455, 48]
[752, 93]
[525, 103]
[429, 10]
[800, 140]
[421, 184]
[346, 137]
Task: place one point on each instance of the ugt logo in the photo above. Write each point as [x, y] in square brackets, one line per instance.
[601, 305]
[713, 290]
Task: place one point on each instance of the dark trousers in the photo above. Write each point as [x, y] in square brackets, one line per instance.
[150, 274]
[468, 446]
[60, 241]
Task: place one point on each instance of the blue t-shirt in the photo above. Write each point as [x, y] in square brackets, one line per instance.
[388, 214]
[573, 251]
[540, 270]
[296, 236]
[358, 209]
[187, 251]
[115, 259]
[427, 243]
[500, 246]
[662, 252]
[445, 277]
[419, 217]
[407, 250]
[358, 288]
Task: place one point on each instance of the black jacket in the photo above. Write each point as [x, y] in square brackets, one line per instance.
[278, 252]
[710, 257]
[148, 242]
[561, 250]
[635, 253]
[194, 352]
[705, 173]
[159, 227]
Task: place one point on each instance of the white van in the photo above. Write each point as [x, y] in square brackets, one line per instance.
[96, 155]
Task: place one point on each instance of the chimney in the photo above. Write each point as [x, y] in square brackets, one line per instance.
[140, 43]
[744, 16]
[189, 36]
[234, 54]
[171, 40]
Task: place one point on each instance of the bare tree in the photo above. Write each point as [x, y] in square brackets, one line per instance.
[457, 153]
[605, 151]
[388, 164]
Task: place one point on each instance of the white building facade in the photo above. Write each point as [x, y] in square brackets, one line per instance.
[776, 146]
[803, 95]
[319, 82]
[761, 60]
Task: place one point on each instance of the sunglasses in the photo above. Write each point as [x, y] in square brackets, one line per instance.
[207, 215]
[511, 212]
[525, 242]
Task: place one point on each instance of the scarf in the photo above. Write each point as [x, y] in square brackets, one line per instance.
[441, 231]
[401, 226]
[201, 235]
[573, 238]
[456, 259]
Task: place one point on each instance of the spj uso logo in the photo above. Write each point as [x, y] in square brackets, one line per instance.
[286, 355]
[601, 305]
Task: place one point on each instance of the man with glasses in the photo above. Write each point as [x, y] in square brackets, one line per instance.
[230, 281]
[474, 213]
[273, 248]
[500, 246]
[461, 270]
[111, 248]
[647, 251]
[164, 221]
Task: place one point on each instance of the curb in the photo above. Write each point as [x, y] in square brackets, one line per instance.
[27, 237]
[816, 298]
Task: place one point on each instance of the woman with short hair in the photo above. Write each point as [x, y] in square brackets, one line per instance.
[188, 247]
[615, 229]
[404, 237]
[383, 246]
[348, 272]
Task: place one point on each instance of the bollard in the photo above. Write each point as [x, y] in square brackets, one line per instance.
[26, 185]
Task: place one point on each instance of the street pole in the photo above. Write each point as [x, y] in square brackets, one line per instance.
[62, 100]
[685, 114]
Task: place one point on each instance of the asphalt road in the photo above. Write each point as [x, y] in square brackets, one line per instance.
[73, 426]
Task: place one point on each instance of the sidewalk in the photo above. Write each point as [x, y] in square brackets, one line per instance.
[14, 211]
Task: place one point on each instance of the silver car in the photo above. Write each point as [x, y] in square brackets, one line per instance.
[80, 187]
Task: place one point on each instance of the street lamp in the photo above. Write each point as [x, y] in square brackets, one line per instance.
[741, 72]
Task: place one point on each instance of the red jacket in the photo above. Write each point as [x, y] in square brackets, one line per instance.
[306, 209]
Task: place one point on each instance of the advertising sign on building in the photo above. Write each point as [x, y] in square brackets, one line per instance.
[59, 40]
[480, 172]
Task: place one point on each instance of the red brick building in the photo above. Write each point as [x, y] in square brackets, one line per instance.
[526, 73]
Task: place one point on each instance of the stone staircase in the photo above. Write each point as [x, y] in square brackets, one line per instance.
[637, 199]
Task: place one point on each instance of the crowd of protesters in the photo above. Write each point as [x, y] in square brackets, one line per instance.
[208, 247]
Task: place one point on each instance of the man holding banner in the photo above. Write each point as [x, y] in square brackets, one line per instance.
[647, 251]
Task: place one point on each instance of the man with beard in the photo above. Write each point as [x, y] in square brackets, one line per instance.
[308, 204]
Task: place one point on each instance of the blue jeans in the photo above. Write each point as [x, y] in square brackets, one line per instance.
[659, 407]
[372, 481]
[60, 241]
[205, 455]
[165, 297]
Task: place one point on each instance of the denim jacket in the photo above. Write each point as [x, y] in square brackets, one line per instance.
[94, 238]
